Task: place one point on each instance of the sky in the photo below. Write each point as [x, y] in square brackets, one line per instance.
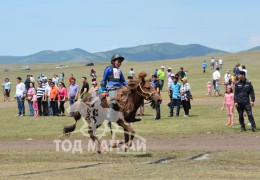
[30, 26]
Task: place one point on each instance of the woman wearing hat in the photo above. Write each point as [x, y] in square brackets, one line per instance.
[185, 96]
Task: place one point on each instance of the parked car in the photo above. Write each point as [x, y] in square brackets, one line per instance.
[62, 66]
[25, 68]
[90, 64]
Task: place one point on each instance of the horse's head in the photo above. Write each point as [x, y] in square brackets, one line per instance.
[145, 89]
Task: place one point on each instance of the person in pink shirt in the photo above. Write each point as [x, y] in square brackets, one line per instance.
[229, 103]
[62, 98]
[209, 86]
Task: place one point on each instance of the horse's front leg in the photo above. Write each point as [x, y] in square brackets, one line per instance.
[128, 132]
[94, 138]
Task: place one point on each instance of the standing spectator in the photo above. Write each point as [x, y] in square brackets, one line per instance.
[209, 86]
[7, 89]
[140, 110]
[185, 96]
[62, 98]
[155, 72]
[227, 78]
[132, 73]
[236, 69]
[215, 75]
[93, 74]
[70, 79]
[161, 76]
[32, 79]
[40, 97]
[94, 87]
[217, 64]
[175, 96]
[55, 80]
[31, 91]
[244, 88]
[62, 75]
[157, 88]
[45, 101]
[27, 82]
[54, 99]
[169, 73]
[113, 79]
[74, 91]
[85, 88]
[186, 73]
[47, 96]
[220, 61]
[35, 105]
[217, 89]
[228, 102]
[244, 69]
[181, 73]
[204, 66]
[212, 63]
[20, 96]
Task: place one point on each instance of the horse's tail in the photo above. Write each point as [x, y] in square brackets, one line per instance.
[69, 129]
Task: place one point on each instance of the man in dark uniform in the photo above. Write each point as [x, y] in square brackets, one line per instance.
[243, 89]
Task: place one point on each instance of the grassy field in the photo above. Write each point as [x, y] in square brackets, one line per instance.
[206, 120]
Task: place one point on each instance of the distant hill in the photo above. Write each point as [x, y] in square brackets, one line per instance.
[254, 49]
[150, 52]
[161, 51]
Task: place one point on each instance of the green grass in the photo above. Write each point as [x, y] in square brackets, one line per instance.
[206, 119]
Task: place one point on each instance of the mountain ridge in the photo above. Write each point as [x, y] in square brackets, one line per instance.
[148, 52]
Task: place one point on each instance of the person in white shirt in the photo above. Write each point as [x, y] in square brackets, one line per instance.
[227, 77]
[55, 80]
[212, 63]
[19, 94]
[220, 61]
[215, 75]
[244, 69]
[132, 73]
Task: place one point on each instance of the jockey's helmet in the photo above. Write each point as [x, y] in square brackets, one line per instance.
[117, 56]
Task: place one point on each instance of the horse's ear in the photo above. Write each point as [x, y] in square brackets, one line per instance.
[142, 76]
[132, 84]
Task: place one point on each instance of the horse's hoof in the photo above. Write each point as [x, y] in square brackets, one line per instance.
[114, 145]
[125, 147]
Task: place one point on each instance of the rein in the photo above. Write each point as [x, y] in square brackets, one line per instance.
[143, 93]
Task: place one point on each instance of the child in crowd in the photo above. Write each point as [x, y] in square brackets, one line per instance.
[209, 86]
[228, 102]
[35, 105]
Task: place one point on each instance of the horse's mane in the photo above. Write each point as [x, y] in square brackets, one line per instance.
[124, 96]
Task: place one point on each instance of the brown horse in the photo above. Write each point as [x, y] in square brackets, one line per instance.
[128, 100]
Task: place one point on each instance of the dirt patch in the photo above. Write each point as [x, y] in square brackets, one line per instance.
[211, 142]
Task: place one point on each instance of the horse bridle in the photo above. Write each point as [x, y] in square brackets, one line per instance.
[143, 93]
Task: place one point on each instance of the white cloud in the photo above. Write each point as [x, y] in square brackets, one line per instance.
[254, 41]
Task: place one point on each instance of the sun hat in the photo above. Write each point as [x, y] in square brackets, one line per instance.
[184, 79]
[169, 68]
[172, 75]
[162, 67]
